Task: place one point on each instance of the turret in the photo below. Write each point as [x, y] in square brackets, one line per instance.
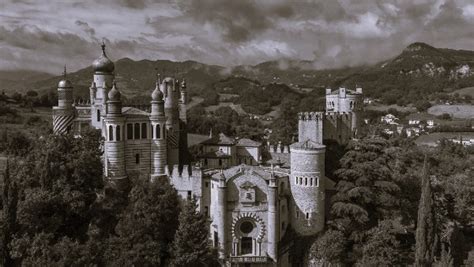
[172, 120]
[307, 186]
[93, 92]
[307, 175]
[183, 100]
[221, 216]
[103, 78]
[158, 129]
[273, 222]
[63, 113]
[114, 138]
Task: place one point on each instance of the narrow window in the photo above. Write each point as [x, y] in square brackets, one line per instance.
[129, 131]
[190, 194]
[111, 133]
[98, 115]
[207, 184]
[205, 162]
[301, 180]
[306, 181]
[157, 134]
[220, 162]
[137, 158]
[307, 215]
[206, 211]
[310, 181]
[296, 180]
[152, 131]
[144, 131]
[137, 131]
[316, 182]
[117, 133]
[297, 214]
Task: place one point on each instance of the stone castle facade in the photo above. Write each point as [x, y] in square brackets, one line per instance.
[251, 205]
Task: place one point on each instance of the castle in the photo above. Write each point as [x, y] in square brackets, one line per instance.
[251, 205]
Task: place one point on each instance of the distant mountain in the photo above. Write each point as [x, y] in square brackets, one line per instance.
[418, 70]
[20, 80]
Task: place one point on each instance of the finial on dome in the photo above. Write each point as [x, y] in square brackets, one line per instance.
[103, 47]
[64, 72]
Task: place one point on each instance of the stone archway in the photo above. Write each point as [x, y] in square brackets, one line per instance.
[248, 231]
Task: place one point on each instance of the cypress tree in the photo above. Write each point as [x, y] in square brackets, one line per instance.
[191, 244]
[425, 231]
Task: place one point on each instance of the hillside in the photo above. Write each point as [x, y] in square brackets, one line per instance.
[419, 71]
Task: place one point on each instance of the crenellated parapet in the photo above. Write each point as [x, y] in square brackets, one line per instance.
[183, 171]
[308, 116]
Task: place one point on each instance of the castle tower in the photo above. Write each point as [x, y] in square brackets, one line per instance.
[307, 176]
[158, 128]
[63, 113]
[346, 101]
[103, 78]
[170, 92]
[183, 101]
[310, 126]
[114, 138]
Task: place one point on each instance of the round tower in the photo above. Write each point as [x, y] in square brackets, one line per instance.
[158, 128]
[103, 78]
[307, 186]
[63, 113]
[172, 134]
[183, 100]
[114, 138]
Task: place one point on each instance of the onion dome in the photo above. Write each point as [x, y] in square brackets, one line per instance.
[103, 63]
[64, 83]
[114, 94]
[157, 94]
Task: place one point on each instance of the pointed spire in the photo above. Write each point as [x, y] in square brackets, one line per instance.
[64, 72]
[103, 47]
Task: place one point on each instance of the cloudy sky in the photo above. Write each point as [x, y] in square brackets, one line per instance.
[46, 34]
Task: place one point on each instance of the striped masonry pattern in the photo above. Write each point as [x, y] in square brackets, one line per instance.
[61, 123]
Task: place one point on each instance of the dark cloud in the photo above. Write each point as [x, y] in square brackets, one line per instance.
[332, 33]
[86, 28]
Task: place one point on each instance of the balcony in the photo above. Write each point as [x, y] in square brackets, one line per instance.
[248, 259]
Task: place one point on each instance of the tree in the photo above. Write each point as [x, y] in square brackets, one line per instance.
[147, 227]
[330, 248]
[8, 224]
[59, 179]
[191, 242]
[422, 105]
[366, 192]
[381, 247]
[425, 231]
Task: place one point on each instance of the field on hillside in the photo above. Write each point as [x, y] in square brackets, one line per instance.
[465, 91]
[431, 139]
[237, 108]
[380, 107]
[456, 111]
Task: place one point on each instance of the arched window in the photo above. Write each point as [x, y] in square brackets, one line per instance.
[307, 215]
[129, 131]
[310, 181]
[157, 133]
[306, 181]
[111, 133]
[117, 133]
[301, 180]
[136, 131]
[144, 131]
[98, 115]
